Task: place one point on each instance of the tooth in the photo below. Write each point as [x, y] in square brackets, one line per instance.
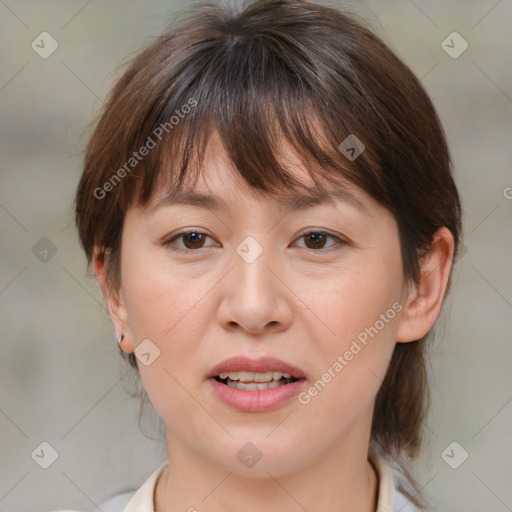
[245, 376]
[268, 385]
[253, 386]
[263, 377]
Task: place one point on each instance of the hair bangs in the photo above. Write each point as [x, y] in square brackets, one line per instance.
[246, 89]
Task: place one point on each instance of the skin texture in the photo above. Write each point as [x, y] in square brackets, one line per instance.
[304, 306]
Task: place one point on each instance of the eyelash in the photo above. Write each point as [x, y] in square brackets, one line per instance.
[171, 242]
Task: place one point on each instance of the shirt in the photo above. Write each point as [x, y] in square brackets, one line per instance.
[390, 499]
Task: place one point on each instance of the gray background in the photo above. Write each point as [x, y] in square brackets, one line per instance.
[61, 378]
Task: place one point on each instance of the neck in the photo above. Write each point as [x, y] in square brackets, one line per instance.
[341, 480]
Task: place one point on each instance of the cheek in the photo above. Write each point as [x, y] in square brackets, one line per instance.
[352, 300]
[159, 300]
[356, 336]
[167, 308]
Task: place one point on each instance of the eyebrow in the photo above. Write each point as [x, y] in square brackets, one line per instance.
[293, 203]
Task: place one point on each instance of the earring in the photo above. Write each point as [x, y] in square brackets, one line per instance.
[120, 338]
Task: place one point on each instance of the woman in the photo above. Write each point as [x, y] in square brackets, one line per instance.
[268, 206]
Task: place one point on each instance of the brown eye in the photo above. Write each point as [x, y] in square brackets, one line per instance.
[190, 241]
[193, 240]
[316, 240]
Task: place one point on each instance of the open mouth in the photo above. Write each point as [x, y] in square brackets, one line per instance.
[254, 381]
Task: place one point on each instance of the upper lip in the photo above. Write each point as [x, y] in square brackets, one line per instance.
[261, 364]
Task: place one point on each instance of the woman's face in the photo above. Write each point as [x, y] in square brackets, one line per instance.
[318, 287]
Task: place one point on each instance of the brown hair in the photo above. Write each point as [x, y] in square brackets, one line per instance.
[279, 70]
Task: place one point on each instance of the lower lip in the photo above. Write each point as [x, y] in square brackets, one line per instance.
[259, 400]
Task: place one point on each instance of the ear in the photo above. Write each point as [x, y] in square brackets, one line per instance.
[114, 300]
[424, 301]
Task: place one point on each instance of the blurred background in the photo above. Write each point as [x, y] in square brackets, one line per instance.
[62, 381]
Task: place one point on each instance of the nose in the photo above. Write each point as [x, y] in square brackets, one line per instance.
[255, 298]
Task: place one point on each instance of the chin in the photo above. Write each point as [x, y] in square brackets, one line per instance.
[260, 457]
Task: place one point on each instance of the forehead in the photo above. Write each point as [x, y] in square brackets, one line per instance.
[218, 183]
[292, 202]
